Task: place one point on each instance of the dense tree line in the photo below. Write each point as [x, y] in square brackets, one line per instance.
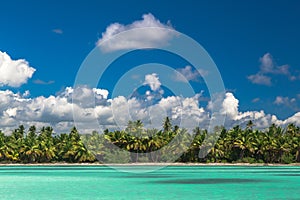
[137, 144]
[42, 147]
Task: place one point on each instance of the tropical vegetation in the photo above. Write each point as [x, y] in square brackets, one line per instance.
[138, 144]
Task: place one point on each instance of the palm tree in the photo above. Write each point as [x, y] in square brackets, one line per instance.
[82, 154]
[10, 151]
[241, 143]
[167, 126]
[48, 150]
[250, 125]
[154, 143]
[30, 152]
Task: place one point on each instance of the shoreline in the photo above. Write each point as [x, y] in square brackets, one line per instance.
[149, 164]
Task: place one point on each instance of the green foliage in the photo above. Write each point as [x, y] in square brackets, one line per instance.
[287, 158]
[247, 160]
[137, 144]
[117, 157]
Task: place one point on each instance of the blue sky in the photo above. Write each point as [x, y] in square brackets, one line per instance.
[255, 44]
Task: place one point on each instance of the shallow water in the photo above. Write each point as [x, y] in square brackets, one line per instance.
[177, 182]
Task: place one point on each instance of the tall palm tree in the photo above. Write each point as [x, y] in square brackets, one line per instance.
[167, 125]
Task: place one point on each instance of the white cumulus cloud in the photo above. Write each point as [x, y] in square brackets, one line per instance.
[295, 119]
[157, 36]
[230, 105]
[153, 81]
[14, 73]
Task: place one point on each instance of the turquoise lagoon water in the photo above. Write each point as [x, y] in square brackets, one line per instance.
[176, 182]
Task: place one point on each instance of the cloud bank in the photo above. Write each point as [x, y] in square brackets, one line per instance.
[93, 103]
